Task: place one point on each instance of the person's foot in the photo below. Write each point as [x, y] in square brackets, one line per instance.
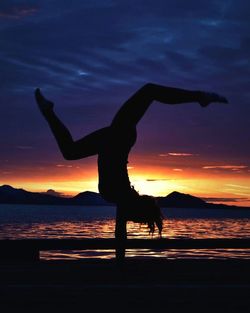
[44, 105]
[208, 97]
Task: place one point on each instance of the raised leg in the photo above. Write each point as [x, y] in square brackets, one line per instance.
[136, 106]
[71, 150]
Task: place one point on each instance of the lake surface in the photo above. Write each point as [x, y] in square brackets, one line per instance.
[76, 222]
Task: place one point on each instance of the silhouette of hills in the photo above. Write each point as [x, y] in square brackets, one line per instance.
[88, 198]
[180, 200]
[10, 195]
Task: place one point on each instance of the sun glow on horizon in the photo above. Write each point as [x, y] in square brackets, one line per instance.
[149, 174]
[154, 180]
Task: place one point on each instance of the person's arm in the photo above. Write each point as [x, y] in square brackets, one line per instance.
[120, 235]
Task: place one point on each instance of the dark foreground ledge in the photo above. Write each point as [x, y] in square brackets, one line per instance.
[139, 285]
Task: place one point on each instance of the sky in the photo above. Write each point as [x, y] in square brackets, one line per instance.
[89, 56]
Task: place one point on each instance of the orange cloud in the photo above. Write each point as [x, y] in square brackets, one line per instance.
[178, 154]
[238, 186]
[225, 167]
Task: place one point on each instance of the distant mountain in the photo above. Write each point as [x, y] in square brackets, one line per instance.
[181, 200]
[175, 199]
[9, 194]
[87, 198]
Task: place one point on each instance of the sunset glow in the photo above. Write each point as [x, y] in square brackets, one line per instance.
[227, 184]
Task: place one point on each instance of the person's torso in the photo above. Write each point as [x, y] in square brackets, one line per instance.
[112, 162]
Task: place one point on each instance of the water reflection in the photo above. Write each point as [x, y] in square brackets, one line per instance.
[104, 228]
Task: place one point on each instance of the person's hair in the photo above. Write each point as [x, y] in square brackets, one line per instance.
[146, 211]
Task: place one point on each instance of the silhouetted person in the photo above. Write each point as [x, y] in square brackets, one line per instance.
[112, 144]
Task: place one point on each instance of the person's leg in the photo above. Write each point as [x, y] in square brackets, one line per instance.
[136, 106]
[71, 150]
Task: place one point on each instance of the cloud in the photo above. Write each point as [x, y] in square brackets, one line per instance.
[218, 199]
[156, 179]
[225, 167]
[17, 12]
[177, 154]
[238, 186]
[24, 147]
[6, 172]
[64, 165]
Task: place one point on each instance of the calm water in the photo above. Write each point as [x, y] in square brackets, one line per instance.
[29, 221]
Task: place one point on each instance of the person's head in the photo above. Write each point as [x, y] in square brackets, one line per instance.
[145, 210]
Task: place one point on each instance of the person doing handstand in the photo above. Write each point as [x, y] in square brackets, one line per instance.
[112, 144]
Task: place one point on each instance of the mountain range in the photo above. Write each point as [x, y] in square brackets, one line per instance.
[10, 195]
